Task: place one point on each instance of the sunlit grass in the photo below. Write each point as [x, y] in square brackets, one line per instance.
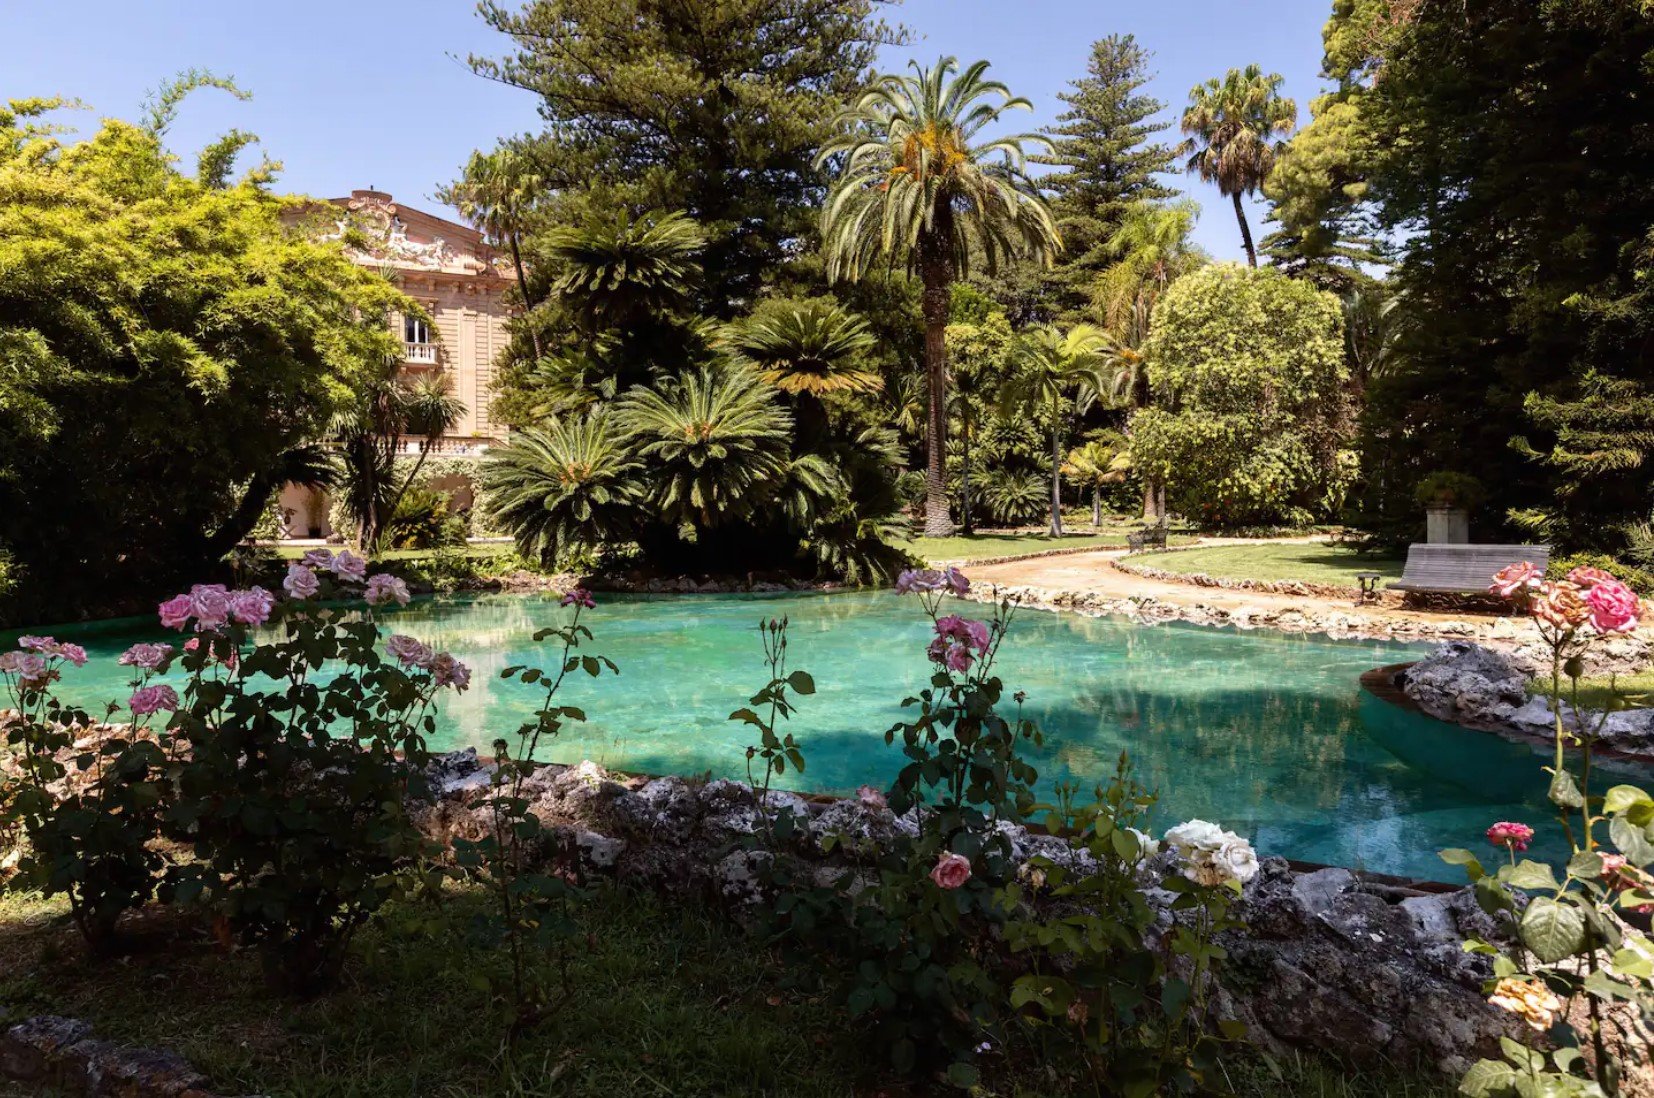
[1307, 563]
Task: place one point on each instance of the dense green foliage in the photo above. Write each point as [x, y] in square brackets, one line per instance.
[165, 339]
[1106, 159]
[1501, 146]
[1248, 373]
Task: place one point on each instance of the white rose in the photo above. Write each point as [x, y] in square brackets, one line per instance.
[1199, 868]
[1145, 843]
[1236, 859]
[1196, 835]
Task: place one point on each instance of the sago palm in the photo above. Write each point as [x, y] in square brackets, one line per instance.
[810, 347]
[616, 270]
[715, 442]
[1051, 364]
[1234, 126]
[571, 484]
[918, 186]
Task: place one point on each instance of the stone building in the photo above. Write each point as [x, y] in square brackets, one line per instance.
[461, 281]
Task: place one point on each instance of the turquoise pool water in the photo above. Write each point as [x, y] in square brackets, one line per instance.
[1267, 733]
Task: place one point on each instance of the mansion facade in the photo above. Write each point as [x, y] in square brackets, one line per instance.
[461, 281]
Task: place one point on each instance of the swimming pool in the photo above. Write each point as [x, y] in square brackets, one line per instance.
[1266, 733]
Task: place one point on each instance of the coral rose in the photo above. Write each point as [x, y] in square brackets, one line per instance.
[952, 870]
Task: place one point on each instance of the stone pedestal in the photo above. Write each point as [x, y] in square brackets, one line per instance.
[1447, 525]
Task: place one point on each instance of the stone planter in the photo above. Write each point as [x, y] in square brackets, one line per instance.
[1447, 525]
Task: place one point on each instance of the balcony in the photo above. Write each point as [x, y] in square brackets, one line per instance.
[446, 446]
[419, 354]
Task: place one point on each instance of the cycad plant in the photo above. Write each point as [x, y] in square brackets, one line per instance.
[1052, 365]
[1235, 126]
[571, 484]
[919, 185]
[614, 270]
[807, 347]
[716, 443]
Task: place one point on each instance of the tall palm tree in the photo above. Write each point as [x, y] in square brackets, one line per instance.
[496, 194]
[1102, 461]
[369, 436]
[1232, 126]
[916, 186]
[1051, 364]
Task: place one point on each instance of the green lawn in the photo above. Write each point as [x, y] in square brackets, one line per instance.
[980, 546]
[1637, 690]
[664, 999]
[1316, 563]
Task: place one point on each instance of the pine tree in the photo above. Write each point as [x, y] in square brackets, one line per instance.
[1106, 159]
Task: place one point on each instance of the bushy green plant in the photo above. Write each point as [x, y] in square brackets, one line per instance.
[1573, 961]
[1450, 489]
[424, 519]
[1139, 1009]
[1640, 581]
[518, 857]
[1014, 496]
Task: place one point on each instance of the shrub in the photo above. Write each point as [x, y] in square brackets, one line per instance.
[424, 519]
[1451, 489]
[1635, 578]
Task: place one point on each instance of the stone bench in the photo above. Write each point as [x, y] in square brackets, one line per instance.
[1463, 569]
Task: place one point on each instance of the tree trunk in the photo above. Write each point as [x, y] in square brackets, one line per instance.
[1151, 501]
[1246, 231]
[522, 288]
[966, 525]
[1056, 468]
[235, 529]
[936, 271]
[1097, 507]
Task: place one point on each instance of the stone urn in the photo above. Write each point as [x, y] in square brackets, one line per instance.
[1446, 524]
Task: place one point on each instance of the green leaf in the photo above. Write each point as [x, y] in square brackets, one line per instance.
[1460, 856]
[1634, 842]
[1530, 875]
[1487, 1079]
[801, 682]
[1553, 930]
[1564, 791]
[1622, 797]
[960, 1074]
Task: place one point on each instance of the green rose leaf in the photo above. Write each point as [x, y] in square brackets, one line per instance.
[1634, 842]
[1622, 797]
[1488, 1079]
[1460, 856]
[1564, 791]
[1530, 875]
[1552, 930]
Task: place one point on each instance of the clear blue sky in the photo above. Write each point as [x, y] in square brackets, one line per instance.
[350, 93]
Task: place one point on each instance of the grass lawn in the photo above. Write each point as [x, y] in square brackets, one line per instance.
[1637, 690]
[1314, 563]
[979, 546]
[662, 1000]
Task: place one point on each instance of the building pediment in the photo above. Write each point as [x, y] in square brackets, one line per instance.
[378, 229]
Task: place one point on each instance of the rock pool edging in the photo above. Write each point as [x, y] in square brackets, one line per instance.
[1331, 961]
[1480, 688]
[52, 1051]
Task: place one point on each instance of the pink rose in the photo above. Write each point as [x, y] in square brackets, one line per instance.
[318, 558]
[252, 606]
[230, 659]
[383, 587]
[175, 612]
[956, 581]
[33, 643]
[149, 657]
[580, 597]
[408, 652]
[301, 582]
[348, 566]
[1560, 605]
[958, 658]
[1509, 580]
[952, 870]
[447, 671]
[153, 699]
[871, 799]
[1614, 608]
[209, 606]
[1517, 836]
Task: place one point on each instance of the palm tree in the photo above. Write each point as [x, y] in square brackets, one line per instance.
[570, 484]
[495, 194]
[715, 441]
[1049, 365]
[807, 347]
[916, 186]
[1231, 125]
[1100, 462]
[369, 436]
[615, 271]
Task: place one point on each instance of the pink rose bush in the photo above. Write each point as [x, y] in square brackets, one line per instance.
[925, 580]
[871, 799]
[1563, 608]
[383, 588]
[146, 657]
[580, 597]
[153, 699]
[958, 642]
